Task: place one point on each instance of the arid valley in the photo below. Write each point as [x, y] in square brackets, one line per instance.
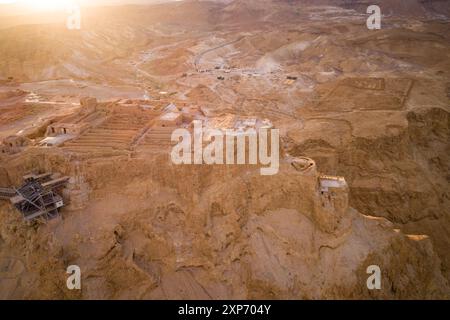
[86, 127]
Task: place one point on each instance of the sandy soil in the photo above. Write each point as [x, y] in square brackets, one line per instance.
[371, 106]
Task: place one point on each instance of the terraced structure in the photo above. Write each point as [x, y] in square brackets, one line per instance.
[156, 140]
[117, 133]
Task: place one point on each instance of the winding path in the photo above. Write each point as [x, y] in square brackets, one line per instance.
[199, 57]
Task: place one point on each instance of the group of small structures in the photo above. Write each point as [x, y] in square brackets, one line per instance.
[136, 127]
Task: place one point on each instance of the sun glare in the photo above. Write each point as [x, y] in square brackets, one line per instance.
[47, 4]
[41, 5]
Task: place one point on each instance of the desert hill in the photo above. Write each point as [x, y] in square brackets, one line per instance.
[364, 120]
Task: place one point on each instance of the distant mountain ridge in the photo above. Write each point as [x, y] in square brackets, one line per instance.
[418, 8]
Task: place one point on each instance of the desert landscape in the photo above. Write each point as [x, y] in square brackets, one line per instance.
[86, 177]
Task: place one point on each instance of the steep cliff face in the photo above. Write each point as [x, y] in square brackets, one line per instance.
[367, 105]
[411, 158]
[217, 233]
[403, 176]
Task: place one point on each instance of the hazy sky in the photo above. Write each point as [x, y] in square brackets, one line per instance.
[17, 7]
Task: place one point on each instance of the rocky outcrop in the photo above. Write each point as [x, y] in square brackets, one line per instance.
[402, 176]
[220, 232]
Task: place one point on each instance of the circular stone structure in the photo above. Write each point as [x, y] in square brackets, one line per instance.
[303, 164]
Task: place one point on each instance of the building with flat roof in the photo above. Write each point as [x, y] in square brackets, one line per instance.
[332, 183]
